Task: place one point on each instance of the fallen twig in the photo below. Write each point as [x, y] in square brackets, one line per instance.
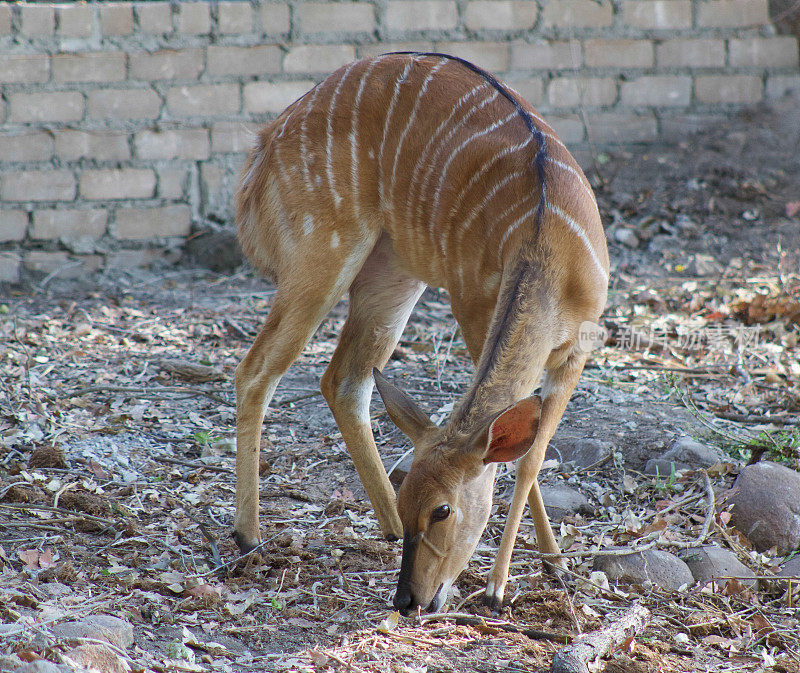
[192, 463]
[586, 650]
[463, 618]
[708, 521]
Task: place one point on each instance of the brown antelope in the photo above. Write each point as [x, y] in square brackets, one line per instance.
[394, 173]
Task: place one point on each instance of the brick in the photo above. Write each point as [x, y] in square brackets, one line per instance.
[378, 48]
[57, 106]
[575, 91]
[779, 86]
[680, 127]
[691, 53]
[234, 17]
[9, 267]
[233, 137]
[72, 145]
[728, 89]
[618, 53]
[568, 127]
[13, 225]
[124, 104]
[5, 19]
[116, 18]
[491, 56]
[621, 127]
[506, 15]
[147, 223]
[273, 97]
[763, 52]
[194, 18]
[732, 13]
[154, 18]
[415, 15]
[530, 88]
[320, 58]
[545, 56]
[53, 185]
[657, 90]
[118, 183]
[172, 183]
[37, 20]
[274, 18]
[24, 68]
[335, 17]
[657, 14]
[203, 100]
[569, 14]
[183, 64]
[172, 144]
[131, 259]
[26, 147]
[89, 67]
[259, 60]
[68, 224]
[75, 20]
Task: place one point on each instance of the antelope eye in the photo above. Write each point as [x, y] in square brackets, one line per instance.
[440, 513]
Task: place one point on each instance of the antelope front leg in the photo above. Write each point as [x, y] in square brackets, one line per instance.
[557, 390]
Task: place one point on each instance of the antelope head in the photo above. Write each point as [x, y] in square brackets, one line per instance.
[445, 500]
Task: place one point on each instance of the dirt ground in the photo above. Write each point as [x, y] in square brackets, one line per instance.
[117, 452]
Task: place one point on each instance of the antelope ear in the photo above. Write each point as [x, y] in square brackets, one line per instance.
[511, 434]
[403, 411]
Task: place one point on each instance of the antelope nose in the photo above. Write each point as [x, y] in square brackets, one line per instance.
[402, 599]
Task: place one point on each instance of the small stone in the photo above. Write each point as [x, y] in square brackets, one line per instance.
[580, 451]
[702, 265]
[99, 658]
[791, 568]
[651, 566]
[400, 471]
[627, 237]
[41, 666]
[99, 627]
[561, 501]
[711, 563]
[685, 453]
[766, 506]
[661, 468]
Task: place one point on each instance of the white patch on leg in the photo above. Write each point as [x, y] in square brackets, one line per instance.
[335, 239]
[308, 224]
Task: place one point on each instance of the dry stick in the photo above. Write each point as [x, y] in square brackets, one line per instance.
[708, 522]
[473, 620]
[144, 391]
[193, 464]
[588, 649]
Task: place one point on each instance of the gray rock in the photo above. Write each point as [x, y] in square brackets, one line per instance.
[100, 627]
[766, 506]
[561, 501]
[216, 249]
[661, 468]
[401, 470]
[702, 265]
[42, 666]
[709, 563]
[651, 566]
[684, 454]
[99, 658]
[791, 568]
[579, 451]
[627, 237]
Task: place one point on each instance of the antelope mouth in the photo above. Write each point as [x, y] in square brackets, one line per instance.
[438, 600]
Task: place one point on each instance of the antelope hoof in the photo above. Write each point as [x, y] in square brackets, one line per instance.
[245, 545]
[493, 597]
[553, 565]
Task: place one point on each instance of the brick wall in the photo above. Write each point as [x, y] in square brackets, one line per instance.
[123, 125]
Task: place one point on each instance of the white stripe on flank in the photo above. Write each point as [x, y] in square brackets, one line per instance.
[581, 234]
[329, 138]
[354, 139]
[304, 138]
[443, 173]
[389, 113]
[570, 169]
[276, 153]
[411, 119]
[511, 229]
[429, 146]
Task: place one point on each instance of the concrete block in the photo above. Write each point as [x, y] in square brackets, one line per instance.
[545, 56]
[569, 14]
[233, 137]
[10, 263]
[172, 144]
[194, 18]
[575, 91]
[378, 48]
[274, 18]
[35, 146]
[491, 56]
[49, 185]
[24, 68]
[728, 89]
[124, 104]
[37, 20]
[180, 64]
[505, 15]
[5, 19]
[73, 145]
[89, 67]
[155, 18]
[618, 53]
[203, 100]
[172, 183]
[621, 127]
[234, 17]
[335, 17]
[243, 61]
[732, 13]
[39, 261]
[763, 52]
[657, 90]
[116, 18]
[146, 223]
[568, 127]
[530, 89]
[318, 58]
[691, 53]
[273, 97]
[404, 16]
[779, 86]
[117, 183]
[657, 14]
[13, 225]
[68, 224]
[75, 20]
